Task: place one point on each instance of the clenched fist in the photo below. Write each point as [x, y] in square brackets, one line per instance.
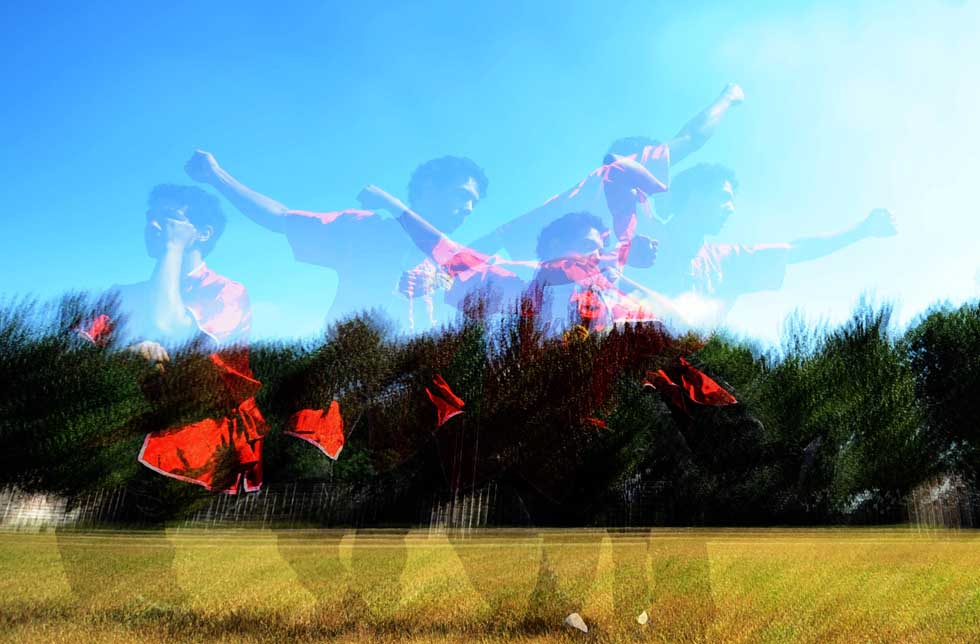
[733, 93]
[202, 166]
[424, 280]
[880, 223]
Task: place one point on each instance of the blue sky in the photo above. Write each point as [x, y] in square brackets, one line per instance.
[850, 106]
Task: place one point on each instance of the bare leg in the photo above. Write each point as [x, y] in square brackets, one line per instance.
[314, 556]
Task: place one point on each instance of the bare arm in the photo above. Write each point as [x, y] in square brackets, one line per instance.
[263, 210]
[167, 310]
[699, 129]
[474, 270]
[490, 243]
[621, 178]
[425, 235]
[430, 240]
[879, 223]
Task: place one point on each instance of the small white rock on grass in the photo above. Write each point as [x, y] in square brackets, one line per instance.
[642, 618]
[575, 621]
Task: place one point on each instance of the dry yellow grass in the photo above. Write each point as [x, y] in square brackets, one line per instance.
[834, 585]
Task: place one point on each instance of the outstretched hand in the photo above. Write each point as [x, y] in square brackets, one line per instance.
[152, 352]
[179, 233]
[202, 166]
[733, 93]
[424, 280]
[880, 223]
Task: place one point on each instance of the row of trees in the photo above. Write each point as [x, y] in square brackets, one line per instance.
[836, 423]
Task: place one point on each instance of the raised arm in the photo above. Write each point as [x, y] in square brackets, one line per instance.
[622, 178]
[699, 129]
[167, 310]
[878, 223]
[264, 211]
[425, 236]
[468, 268]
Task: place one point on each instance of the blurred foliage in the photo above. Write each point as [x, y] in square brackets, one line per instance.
[836, 423]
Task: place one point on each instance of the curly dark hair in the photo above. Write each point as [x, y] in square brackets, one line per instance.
[631, 145]
[445, 172]
[567, 227]
[203, 209]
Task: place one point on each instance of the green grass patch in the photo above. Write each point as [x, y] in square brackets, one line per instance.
[827, 585]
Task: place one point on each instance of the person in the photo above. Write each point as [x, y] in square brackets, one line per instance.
[571, 277]
[186, 303]
[703, 279]
[373, 259]
[574, 276]
[615, 201]
[206, 428]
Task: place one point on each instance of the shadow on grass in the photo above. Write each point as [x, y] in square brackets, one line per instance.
[167, 623]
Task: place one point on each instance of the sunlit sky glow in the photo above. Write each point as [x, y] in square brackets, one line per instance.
[849, 106]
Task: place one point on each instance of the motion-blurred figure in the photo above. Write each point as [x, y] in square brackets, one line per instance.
[573, 281]
[703, 278]
[186, 303]
[373, 259]
[572, 290]
[205, 427]
[650, 175]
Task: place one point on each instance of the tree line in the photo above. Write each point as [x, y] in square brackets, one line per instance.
[837, 423]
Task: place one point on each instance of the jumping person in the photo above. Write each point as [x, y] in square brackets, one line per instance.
[183, 303]
[570, 286]
[186, 302]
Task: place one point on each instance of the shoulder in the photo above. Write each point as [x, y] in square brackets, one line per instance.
[219, 305]
[350, 215]
[328, 237]
[212, 284]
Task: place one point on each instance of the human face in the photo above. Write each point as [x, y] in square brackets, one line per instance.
[727, 197]
[162, 218]
[714, 207]
[591, 244]
[588, 245]
[449, 207]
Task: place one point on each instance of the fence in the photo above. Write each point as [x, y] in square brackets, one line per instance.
[461, 514]
[944, 501]
[320, 503]
[20, 510]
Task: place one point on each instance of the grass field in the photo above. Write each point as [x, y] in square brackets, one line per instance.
[834, 585]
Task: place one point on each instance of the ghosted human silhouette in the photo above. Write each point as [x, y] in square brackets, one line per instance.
[703, 278]
[376, 265]
[183, 305]
[646, 164]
